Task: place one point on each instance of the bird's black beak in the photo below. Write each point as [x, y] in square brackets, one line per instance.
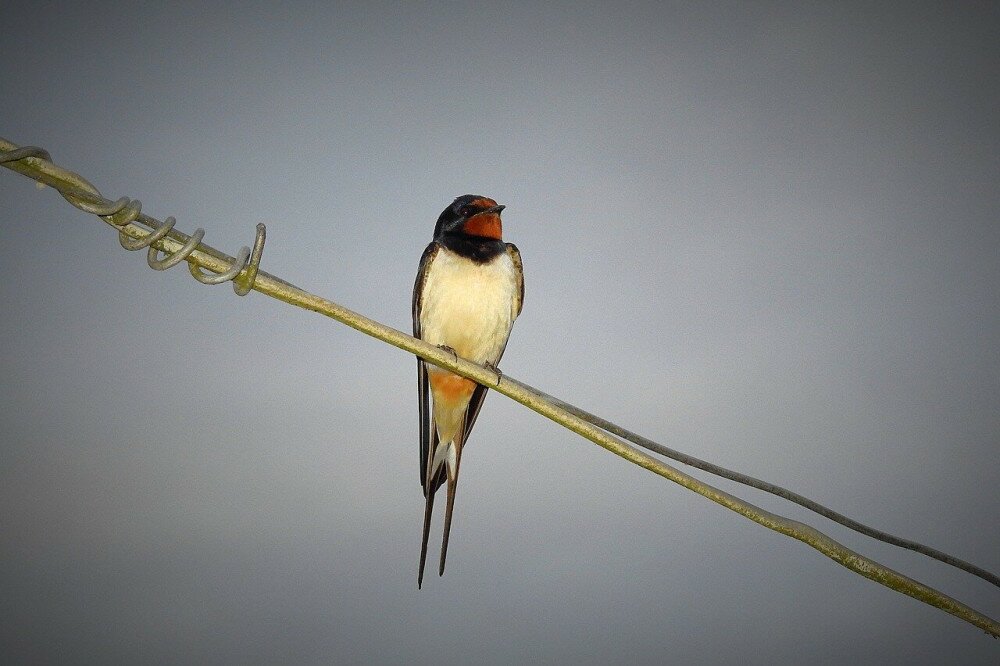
[495, 209]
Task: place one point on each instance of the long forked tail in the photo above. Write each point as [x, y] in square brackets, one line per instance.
[443, 466]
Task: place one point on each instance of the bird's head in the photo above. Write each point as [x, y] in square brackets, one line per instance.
[471, 215]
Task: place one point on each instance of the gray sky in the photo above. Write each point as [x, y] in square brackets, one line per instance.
[765, 235]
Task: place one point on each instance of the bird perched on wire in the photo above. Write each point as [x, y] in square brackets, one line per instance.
[467, 294]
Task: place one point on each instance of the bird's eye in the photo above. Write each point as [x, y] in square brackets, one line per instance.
[467, 211]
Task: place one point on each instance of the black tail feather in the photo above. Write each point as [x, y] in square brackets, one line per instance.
[449, 507]
[428, 509]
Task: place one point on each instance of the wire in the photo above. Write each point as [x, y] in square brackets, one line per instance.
[35, 163]
[777, 490]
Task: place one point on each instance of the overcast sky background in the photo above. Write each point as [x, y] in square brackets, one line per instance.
[765, 235]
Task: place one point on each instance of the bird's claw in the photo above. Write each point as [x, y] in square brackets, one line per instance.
[494, 368]
[450, 350]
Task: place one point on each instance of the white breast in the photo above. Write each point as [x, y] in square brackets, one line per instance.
[468, 306]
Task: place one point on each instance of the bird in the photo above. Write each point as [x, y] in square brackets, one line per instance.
[468, 292]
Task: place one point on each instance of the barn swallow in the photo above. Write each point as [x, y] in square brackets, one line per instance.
[467, 294]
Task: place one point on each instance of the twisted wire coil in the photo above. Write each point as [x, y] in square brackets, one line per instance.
[242, 272]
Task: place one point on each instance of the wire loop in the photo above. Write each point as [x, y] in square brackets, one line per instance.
[24, 152]
[243, 284]
[126, 214]
[172, 259]
[211, 278]
[132, 244]
[102, 208]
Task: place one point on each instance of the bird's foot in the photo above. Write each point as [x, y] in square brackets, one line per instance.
[450, 350]
[494, 368]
